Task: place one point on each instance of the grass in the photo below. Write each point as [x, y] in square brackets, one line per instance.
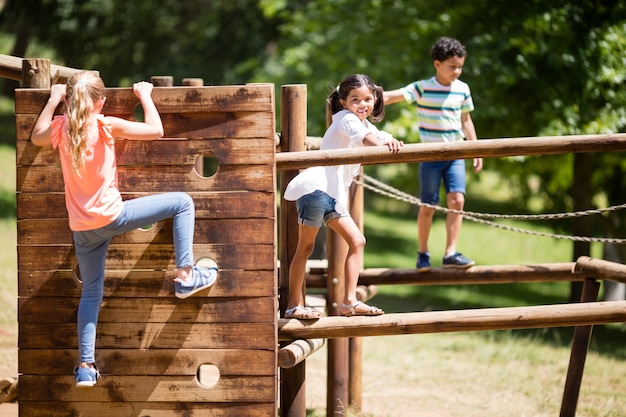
[491, 373]
[8, 264]
[472, 375]
[513, 373]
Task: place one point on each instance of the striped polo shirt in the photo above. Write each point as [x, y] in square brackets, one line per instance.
[439, 108]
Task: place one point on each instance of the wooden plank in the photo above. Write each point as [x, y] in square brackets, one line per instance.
[218, 125]
[150, 310]
[180, 335]
[215, 231]
[227, 151]
[601, 268]
[49, 179]
[149, 256]
[11, 67]
[467, 149]
[241, 125]
[120, 101]
[149, 388]
[557, 315]
[141, 409]
[134, 283]
[149, 349]
[212, 205]
[150, 361]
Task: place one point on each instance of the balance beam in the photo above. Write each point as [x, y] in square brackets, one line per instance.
[602, 269]
[297, 351]
[479, 274]
[420, 152]
[556, 315]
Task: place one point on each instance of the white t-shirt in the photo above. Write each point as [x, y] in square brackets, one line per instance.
[345, 131]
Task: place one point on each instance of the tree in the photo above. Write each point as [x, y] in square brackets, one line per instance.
[220, 41]
[535, 68]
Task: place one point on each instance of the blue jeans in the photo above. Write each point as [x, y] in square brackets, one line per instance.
[317, 208]
[431, 173]
[91, 249]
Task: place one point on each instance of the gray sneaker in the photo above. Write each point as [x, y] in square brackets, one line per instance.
[86, 377]
[457, 260]
[201, 279]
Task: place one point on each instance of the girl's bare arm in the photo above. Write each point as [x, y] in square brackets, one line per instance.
[150, 128]
[42, 132]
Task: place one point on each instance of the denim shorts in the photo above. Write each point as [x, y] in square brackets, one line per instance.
[317, 208]
[431, 173]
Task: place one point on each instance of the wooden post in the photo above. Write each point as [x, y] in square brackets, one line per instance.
[36, 73]
[162, 80]
[196, 82]
[293, 131]
[580, 345]
[357, 211]
[193, 82]
[337, 396]
[338, 366]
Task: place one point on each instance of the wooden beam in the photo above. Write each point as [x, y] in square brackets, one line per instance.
[602, 269]
[11, 68]
[480, 274]
[557, 315]
[297, 351]
[420, 152]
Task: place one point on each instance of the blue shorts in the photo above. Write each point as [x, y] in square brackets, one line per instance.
[317, 208]
[431, 173]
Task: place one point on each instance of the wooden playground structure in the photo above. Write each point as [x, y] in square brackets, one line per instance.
[220, 355]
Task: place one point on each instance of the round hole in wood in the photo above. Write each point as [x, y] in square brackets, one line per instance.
[208, 375]
[138, 113]
[206, 166]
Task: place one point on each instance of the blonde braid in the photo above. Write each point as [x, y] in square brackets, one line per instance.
[83, 89]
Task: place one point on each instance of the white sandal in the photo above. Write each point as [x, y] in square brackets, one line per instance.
[302, 313]
[352, 311]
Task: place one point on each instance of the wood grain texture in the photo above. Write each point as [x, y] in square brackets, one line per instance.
[151, 345]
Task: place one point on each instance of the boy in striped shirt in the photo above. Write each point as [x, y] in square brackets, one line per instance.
[443, 105]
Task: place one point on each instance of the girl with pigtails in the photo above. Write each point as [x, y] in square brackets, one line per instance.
[321, 193]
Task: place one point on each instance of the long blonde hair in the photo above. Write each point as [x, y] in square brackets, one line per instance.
[83, 90]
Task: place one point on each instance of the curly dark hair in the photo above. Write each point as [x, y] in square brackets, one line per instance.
[446, 48]
[350, 83]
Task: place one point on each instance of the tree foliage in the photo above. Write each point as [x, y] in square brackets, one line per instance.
[535, 68]
[221, 41]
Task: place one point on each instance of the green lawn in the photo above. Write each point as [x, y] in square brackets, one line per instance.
[8, 264]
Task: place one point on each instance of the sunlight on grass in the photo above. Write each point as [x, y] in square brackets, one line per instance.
[7, 179]
[8, 277]
[472, 375]
[8, 265]
[486, 245]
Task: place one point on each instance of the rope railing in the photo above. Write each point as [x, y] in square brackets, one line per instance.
[389, 191]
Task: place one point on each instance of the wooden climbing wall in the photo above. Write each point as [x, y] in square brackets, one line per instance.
[151, 345]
